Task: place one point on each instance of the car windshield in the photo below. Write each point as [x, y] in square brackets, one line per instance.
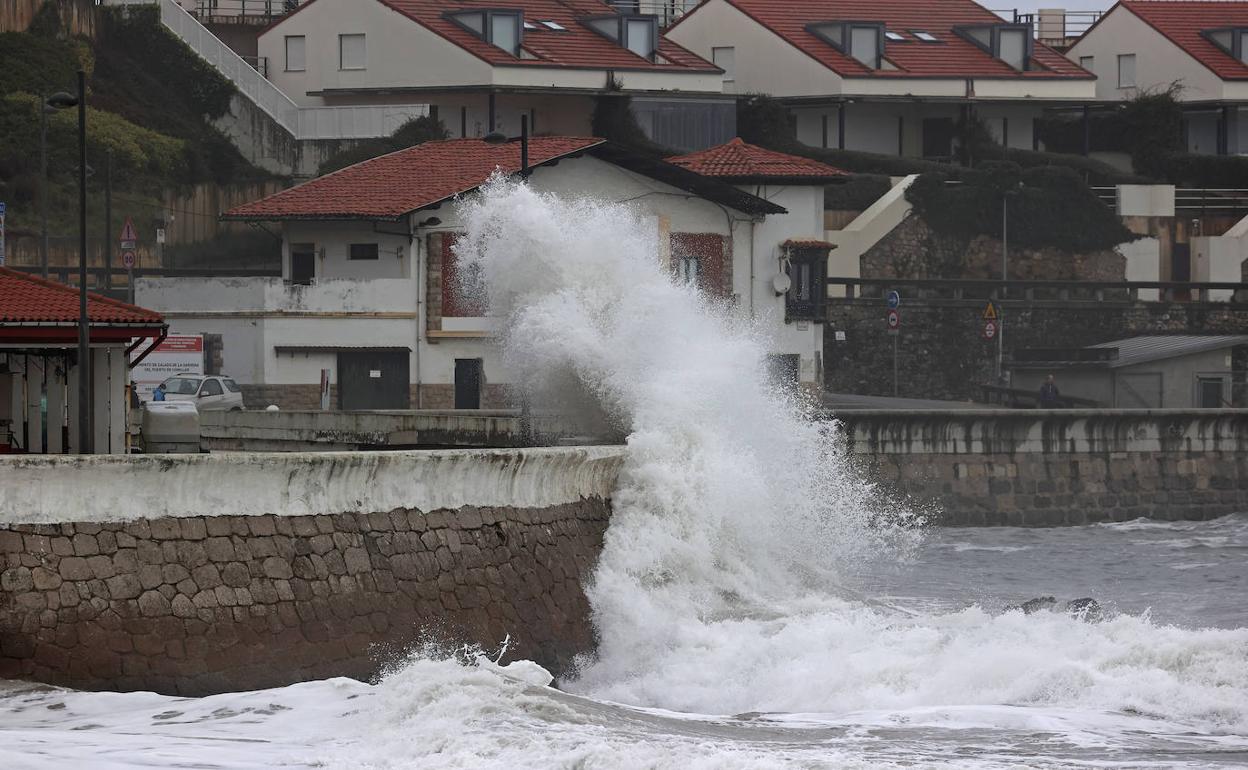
[182, 386]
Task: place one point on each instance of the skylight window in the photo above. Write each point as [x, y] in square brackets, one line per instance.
[556, 26]
[926, 37]
[895, 37]
[502, 28]
[530, 25]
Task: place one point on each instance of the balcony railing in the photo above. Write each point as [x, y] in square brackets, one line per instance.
[1202, 201]
[240, 11]
[1055, 27]
[970, 292]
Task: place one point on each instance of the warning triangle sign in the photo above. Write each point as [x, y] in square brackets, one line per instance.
[127, 231]
[990, 312]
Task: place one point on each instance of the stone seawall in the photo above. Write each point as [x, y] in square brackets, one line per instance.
[1047, 468]
[135, 585]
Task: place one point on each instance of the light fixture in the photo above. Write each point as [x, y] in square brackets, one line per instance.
[430, 222]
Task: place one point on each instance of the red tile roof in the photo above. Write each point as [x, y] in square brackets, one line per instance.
[1182, 22]
[740, 160]
[28, 299]
[391, 186]
[575, 46]
[953, 56]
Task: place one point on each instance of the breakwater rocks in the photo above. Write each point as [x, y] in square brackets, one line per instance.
[199, 604]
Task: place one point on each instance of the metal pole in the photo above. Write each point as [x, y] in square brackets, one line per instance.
[108, 220]
[84, 334]
[1005, 275]
[896, 335]
[524, 145]
[43, 184]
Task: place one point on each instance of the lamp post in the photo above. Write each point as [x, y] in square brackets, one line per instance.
[1005, 277]
[57, 101]
[61, 101]
[498, 137]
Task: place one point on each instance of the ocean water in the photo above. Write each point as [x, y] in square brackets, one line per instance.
[758, 605]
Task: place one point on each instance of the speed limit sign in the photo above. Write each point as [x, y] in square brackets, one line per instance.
[990, 329]
[127, 258]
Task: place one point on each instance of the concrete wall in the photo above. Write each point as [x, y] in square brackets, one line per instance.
[1165, 384]
[229, 572]
[1053, 467]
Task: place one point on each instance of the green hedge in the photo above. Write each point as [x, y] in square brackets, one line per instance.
[857, 193]
[413, 132]
[1190, 170]
[1048, 208]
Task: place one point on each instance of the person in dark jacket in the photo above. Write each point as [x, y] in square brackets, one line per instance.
[1049, 394]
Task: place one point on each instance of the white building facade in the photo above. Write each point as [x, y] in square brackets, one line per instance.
[481, 65]
[887, 78]
[368, 295]
[1143, 46]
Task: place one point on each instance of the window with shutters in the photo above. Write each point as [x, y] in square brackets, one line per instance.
[703, 260]
[807, 267]
[463, 286]
[351, 52]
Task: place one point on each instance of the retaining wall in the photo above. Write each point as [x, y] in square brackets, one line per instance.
[1054, 467]
[174, 574]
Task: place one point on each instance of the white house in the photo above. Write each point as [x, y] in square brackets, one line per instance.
[1147, 45]
[886, 77]
[482, 64]
[369, 293]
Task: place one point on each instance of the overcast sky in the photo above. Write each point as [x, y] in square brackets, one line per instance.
[1033, 5]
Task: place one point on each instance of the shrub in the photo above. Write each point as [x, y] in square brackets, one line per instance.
[413, 132]
[857, 193]
[613, 119]
[1049, 207]
[1191, 170]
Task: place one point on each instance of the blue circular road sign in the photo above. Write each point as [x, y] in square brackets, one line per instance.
[894, 299]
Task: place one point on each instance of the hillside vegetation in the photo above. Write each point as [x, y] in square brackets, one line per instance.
[149, 103]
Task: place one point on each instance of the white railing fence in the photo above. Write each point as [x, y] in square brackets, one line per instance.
[354, 122]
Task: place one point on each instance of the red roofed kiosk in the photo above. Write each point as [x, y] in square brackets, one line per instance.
[39, 368]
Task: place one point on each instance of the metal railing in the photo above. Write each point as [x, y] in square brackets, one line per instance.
[668, 11]
[355, 122]
[1030, 399]
[972, 292]
[1211, 201]
[241, 11]
[1056, 27]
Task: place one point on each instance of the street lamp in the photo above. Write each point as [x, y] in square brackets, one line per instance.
[498, 137]
[57, 101]
[61, 101]
[1005, 276]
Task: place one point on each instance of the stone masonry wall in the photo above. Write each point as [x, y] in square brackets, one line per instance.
[198, 605]
[1049, 468]
[943, 355]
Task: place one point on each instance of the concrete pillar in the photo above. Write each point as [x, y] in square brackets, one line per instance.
[34, 397]
[100, 390]
[71, 391]
[117, 401]
[55, 379]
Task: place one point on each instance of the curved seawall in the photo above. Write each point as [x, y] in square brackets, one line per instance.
[207, 573]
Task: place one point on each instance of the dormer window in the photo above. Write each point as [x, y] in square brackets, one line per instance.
[638, 33]
[1233, 40]
[1011, 43]
[501, 28]
[862, 40]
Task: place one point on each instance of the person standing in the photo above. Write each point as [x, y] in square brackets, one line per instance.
[1049, 394]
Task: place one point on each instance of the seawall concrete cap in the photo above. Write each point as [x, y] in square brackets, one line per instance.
[50, 489]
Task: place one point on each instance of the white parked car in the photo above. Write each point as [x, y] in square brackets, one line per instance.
[210, 392]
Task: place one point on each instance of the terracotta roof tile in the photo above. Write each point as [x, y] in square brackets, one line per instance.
[28, 299]
[576, 45]
[952, 56]
[391, 186]
[1182, 21]
[740, 160]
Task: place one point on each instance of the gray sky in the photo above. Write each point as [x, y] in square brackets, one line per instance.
[1033, 5]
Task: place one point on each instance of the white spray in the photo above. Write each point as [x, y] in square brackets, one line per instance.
[716, 589]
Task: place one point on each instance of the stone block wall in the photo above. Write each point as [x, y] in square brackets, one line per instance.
[198, 605]
[943, 355]
[1050, 468]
